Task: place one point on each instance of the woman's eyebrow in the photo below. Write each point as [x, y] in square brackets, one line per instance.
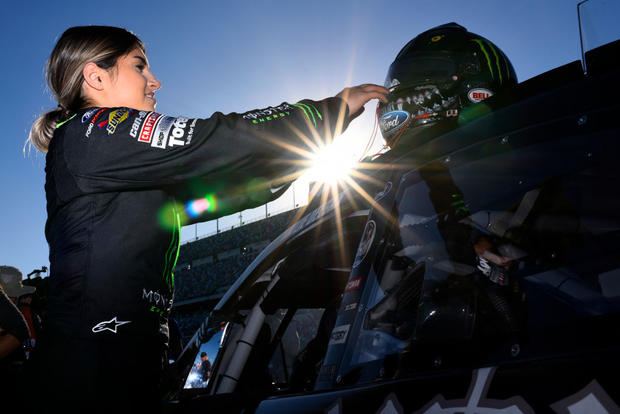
[140, 58]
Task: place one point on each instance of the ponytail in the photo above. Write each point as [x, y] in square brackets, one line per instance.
[43, 128]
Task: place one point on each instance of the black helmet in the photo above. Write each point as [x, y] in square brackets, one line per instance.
[438, 74]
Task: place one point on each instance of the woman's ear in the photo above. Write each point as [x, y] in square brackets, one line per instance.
[94, 76]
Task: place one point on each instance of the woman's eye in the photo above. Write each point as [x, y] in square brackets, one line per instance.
[140, 67]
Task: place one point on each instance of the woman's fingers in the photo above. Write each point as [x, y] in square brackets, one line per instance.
[357, 96]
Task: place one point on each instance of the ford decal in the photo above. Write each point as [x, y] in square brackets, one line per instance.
[392, 121]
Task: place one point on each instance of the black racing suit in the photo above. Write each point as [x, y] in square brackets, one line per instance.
[117, 181]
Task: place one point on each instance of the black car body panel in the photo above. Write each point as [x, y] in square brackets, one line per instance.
[381, 304]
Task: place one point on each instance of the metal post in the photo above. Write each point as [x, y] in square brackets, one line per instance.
[583, 52]
[253, 324]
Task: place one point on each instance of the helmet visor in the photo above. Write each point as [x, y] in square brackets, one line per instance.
[418, 69]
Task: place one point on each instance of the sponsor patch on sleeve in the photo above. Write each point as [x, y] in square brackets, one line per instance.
[178, 132]
[148, 126]
[89, 114]
[137, 123]
[93, 121]
[163, 131]
[117, 117]
[190, 132]
[268, 114]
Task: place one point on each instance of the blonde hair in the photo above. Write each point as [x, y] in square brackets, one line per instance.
[77, 46]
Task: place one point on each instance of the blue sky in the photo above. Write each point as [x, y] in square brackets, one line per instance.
[239, 55]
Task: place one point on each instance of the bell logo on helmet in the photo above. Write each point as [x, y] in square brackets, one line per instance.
[479, 94]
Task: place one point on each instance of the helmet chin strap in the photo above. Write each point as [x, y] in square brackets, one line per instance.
[392, 143]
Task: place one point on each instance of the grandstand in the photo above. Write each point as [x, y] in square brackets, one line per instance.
[207, 267]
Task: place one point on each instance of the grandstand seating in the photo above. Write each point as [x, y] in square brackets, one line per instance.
[205, 279]
[189, 322]
[208, 267]
[267, 229]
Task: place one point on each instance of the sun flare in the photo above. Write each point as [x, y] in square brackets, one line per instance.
[331, 164]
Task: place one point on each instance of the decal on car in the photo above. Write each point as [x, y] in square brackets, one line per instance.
[339, 335]
[364, 247]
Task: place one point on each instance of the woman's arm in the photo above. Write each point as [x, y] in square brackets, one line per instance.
[116, 149]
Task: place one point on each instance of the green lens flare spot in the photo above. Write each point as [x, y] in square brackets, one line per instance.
[167, 215]
[472, 113]
[212, 203]
[258, 190]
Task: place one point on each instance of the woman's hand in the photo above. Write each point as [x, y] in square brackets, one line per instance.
[357, 96]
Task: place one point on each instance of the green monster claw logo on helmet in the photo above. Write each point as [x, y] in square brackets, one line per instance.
[436, 76]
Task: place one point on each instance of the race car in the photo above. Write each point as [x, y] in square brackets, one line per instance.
[481, 274]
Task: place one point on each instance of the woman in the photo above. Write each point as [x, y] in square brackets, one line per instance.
[117, 177]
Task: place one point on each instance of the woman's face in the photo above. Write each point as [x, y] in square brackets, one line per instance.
[132, 84]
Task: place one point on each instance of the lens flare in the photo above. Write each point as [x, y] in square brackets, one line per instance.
[170, 213]
[331, 164]
[473, 112]
[317, 156]
[198, 206]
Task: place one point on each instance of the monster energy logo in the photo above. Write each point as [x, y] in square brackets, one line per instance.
[270, 117]
[308, 109]
[496, 53]
[172, 254]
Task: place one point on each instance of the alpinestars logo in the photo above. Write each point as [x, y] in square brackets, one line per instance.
[110, 325]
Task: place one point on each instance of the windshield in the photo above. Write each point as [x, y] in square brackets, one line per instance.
[515, 254]
[200, 372]
[598, 23]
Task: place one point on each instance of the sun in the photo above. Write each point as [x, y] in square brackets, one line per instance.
[331, 160]
[331, 164]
